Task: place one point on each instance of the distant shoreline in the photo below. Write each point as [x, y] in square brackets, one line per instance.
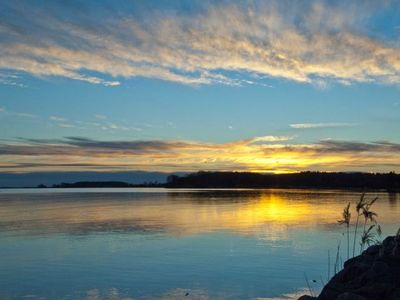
[389, 182]
[304, 180]
[367, 190]
[91, 184]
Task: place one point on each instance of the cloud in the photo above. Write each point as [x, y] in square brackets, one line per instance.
[346, 146]
[65, 125]
[101, 117]
[272, 138]
[25, 115]
[321, 125]
[254, 154]
[100, 123]
[10, 79]
[57, 119]
[310, 42]
[18, 114]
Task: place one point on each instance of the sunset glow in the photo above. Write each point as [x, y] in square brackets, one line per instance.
[199, 149]
[256, 86]
[246, 155]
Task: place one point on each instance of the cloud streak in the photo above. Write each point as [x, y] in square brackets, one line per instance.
[260, 154]
[98, 124]
[15, 114]
[310, 42]
[321, 125]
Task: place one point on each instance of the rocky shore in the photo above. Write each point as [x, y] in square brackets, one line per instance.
[373, 275]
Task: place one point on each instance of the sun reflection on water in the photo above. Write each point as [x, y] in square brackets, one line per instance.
[243, 212]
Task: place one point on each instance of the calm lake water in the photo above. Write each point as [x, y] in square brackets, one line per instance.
[173, 244]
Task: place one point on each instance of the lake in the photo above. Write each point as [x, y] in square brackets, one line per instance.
[174, 244]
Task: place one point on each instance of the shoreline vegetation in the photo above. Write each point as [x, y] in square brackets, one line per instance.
[105, 184]
[335, 180]
[91, 184]
[374, 274]
[321, 180]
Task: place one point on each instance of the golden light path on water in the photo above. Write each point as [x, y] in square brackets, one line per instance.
[187, 213]
[257, 240]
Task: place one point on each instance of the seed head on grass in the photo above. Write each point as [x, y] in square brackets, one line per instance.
[368, 214]
[368, 237]
[346, 217]
[361, 203]
[378, 230]
[359, 208]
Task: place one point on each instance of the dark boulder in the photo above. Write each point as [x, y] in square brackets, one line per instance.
[306, 297]
[349, 296]
[373, 275]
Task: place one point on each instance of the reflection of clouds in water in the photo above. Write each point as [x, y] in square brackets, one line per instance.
[172, 294]
[268, 215]
[183, 294]
[111, 294]
[183, 216]
[393, 199]
[92, 294]
[290, 296]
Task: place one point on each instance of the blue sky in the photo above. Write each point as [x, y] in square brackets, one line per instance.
[277, 86]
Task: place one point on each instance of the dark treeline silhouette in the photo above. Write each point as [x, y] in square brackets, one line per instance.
[388, 181]
[102, 184]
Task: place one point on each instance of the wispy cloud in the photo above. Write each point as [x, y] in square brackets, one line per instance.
[310, 42]
[255, 154]
[10, 79]
[272, 138]
[65, 125]
[101, 117]
[18, 114]
[321, 125]
[100, 123]
[57, 119]
[25, 115]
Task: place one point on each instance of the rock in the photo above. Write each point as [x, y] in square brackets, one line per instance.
[374, 275]
[396, 252]
[306, 297]
[387, 246]
[389, 240]
[379, 267]
[372, 250]
[395, 295]
[349, 296]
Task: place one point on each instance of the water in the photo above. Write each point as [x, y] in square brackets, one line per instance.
[173, 244]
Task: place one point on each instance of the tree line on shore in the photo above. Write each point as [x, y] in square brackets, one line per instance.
[102, 184]
[389, 181]
[204, 179]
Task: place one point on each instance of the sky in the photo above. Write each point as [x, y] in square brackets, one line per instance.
[182, 86]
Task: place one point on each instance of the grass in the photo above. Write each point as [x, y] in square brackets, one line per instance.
[359, 208]
[346, 220]
[370, 235]
[371, 230]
